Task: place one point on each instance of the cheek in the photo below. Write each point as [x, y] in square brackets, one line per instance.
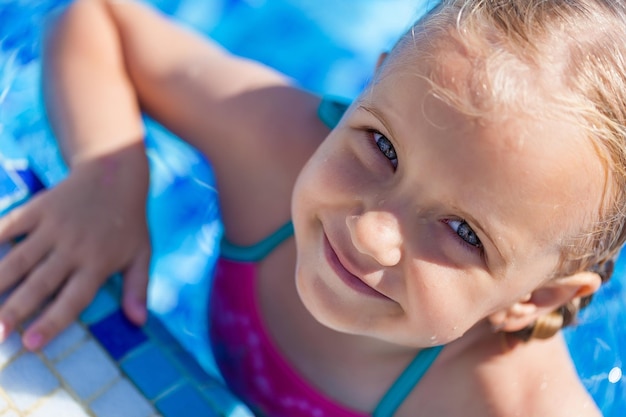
[305, 196]
[445, 302]
[330, 174]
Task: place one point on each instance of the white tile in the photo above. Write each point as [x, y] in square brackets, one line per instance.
[88, 370]
[9, 413]
[27, 379]
[3, 403]
[122, 400]
[9, 348]
[59, 404]
[69, 338]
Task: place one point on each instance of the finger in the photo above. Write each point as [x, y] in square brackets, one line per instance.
[23, 257]
[17, 222]
[31, 294]
[135, 289]
[68, 304]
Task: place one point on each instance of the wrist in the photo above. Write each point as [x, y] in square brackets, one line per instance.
[126, 166]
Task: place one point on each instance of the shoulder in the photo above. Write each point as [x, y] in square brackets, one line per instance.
[535, 379]
[539, 379]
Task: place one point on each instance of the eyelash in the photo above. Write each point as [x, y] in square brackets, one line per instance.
[463, 243]
[375, 145]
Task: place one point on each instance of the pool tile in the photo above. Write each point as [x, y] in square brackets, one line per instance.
[3, 403]
[78, 370]
[60, 404]
[9, 413]
[195, 372]
[68, 339]
[224, 402]
[158, 332]
[123, 400]
[151, 370]
[9, 348]
[185, 401]
[101, 306]
[26, 379]
[118, 335]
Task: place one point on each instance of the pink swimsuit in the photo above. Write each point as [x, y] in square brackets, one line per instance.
[248, 359]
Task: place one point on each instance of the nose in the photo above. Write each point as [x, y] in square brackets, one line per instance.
[377, 234]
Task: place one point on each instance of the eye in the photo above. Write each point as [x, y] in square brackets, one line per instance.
[386, 148]
[465, 232]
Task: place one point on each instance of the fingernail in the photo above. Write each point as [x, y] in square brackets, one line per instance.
[139, 313]
[33, 340]
[3, 332]
[136, 309]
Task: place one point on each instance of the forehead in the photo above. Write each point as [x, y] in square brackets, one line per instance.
[535, 182]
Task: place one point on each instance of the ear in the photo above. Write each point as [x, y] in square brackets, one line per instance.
[545, 300]
[381, 59]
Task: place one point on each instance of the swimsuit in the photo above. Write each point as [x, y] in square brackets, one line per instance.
[248, 359]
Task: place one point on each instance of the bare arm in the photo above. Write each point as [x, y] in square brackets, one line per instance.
[254, 126]
[105, 61]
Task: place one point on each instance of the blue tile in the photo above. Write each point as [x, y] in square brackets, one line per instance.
[151, 370]
[185, 401]
[118, 335]
[225, 403]
[102, 305]
[159, 333]
[193, 370]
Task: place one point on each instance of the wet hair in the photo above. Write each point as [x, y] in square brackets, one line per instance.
[562, 59]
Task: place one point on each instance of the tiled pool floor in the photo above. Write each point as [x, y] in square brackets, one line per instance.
[103, 366]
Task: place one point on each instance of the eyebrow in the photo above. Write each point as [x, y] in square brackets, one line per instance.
[378, 115]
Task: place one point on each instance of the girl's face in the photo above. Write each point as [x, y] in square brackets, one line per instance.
[414, 222]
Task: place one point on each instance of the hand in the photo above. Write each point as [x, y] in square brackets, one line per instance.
[77, 234]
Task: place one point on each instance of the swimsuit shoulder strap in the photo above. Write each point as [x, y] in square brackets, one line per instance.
[405, 383]
[330, 111]
[258, 251]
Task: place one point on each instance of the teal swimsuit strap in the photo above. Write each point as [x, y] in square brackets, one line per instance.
[258, 251]
[406, 382]
[331, 110]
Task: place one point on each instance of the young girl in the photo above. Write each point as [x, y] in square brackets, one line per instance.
[448, 226]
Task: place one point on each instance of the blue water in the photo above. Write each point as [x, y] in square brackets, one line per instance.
[327, 46]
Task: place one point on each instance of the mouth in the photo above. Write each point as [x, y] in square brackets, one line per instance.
[348, 278]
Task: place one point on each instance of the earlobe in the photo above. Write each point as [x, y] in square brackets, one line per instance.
[516, 317]
[544, 300]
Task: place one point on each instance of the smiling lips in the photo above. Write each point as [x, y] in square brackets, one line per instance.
[346, 276]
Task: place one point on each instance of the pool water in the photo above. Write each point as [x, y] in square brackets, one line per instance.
[327, 46]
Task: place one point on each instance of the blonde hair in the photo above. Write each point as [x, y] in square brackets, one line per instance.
[515, 47]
